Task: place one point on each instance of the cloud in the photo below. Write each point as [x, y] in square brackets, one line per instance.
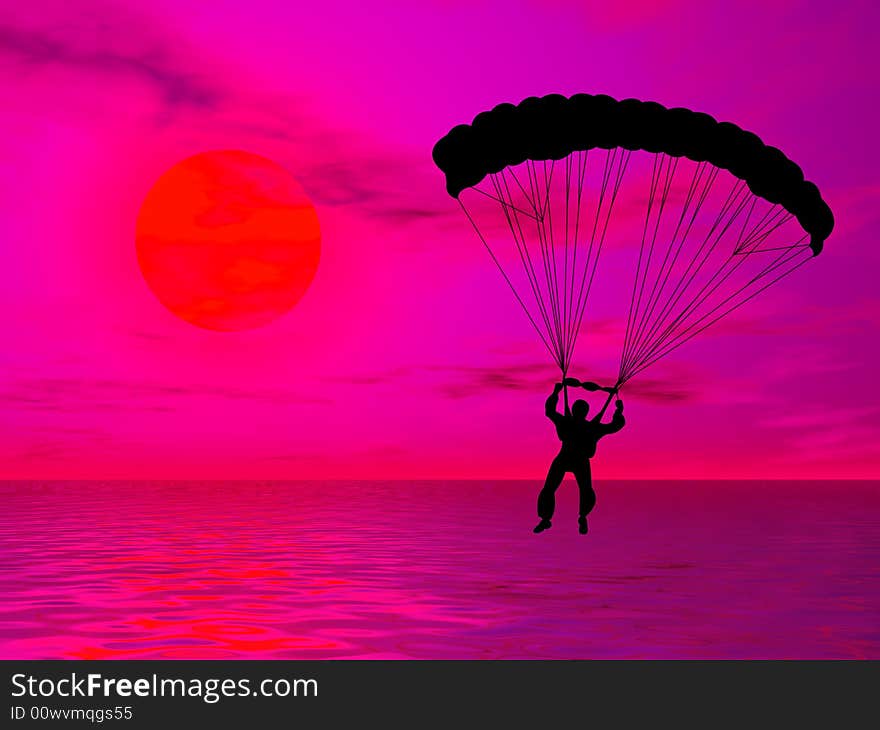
[49, 443]
[804, 359]
[90, 42]
[671, 390]
[373, 452]
[88, 395]
[824, 419]
[381, 182]
[674, 385]
[827, 433]
[95, 42]
[461, 381]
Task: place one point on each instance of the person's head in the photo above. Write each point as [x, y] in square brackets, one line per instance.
[579, 409]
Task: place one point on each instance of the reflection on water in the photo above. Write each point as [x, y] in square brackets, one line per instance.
[438, 570]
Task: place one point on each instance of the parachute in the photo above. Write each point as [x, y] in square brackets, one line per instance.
[692, 217]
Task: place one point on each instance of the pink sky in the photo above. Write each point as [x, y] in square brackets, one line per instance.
[406, 357]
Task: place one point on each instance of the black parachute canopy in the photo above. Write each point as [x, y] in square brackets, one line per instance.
[552, 127]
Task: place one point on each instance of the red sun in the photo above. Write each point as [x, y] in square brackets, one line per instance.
[228, 240]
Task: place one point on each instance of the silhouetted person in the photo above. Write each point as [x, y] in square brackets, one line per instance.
[579, 438]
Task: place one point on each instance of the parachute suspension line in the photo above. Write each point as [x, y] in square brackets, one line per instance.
[758, 234]
[621, 162]
[591, 259]
[667, 176]
[548, 250]
[545, 234]
[677, 285]
[565, 288]
[704, 194]
[615, 167]
[648, 338]
[546, 304]
[519, 239]
[523, 190]
[561, 292]
[555, 298]
[547, 226]
[665, 271]
[541, 301]
[574, 301]
[707, 289]
[663, 347]
[703, 297]
[498, 200]
[691, 271]
[789, 255]
[739, 239]
[507, 279]
[580, 188]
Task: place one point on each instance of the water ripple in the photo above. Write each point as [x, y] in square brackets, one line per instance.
[437, 570]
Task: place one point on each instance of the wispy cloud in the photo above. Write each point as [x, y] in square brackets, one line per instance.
[102, 41]
[59, 394]
[671, 385]
[338, 165]
[829, 435]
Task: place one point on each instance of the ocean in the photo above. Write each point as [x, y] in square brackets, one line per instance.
[438, 570]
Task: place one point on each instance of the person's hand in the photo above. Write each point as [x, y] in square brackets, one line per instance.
[619, 405]
[558, 387]
[587, 385]
[573, 382]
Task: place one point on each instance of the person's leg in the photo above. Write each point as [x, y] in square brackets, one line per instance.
[584, 478]
[547, 497]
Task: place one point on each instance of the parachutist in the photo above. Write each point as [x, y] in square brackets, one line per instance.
[579, 438]
[768, 224]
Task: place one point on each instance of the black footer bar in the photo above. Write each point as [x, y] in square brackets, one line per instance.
[268, 694]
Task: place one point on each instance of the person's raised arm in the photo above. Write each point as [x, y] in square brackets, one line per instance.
[552, 403]
[611, 393]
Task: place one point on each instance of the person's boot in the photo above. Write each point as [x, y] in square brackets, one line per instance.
[582, 525]
[542, 525]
